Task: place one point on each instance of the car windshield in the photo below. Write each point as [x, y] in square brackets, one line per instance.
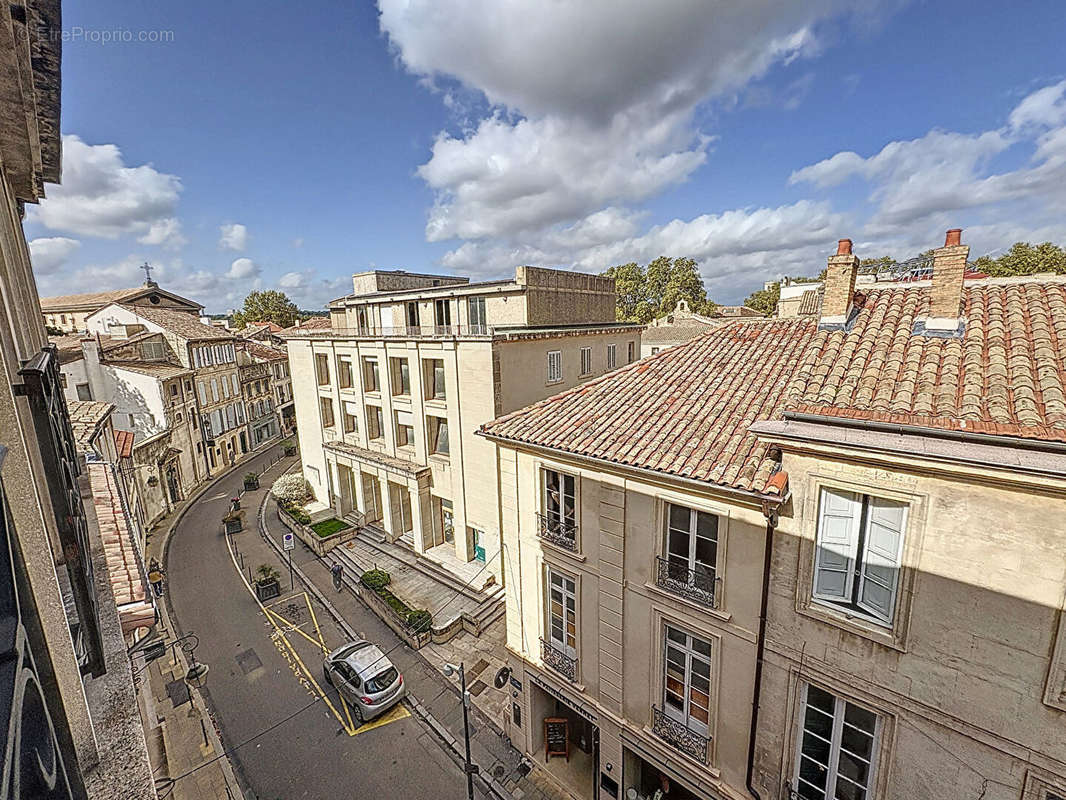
[382, 681]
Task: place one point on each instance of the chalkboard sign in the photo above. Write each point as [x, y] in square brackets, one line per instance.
[556, 737]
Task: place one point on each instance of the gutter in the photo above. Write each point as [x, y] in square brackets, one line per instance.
[752, 497]
[760, 648]
[1039, 445]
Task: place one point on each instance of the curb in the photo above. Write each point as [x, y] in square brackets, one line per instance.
[488, 782]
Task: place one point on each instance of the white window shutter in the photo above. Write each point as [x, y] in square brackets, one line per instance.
[883, 554]
[838, 536]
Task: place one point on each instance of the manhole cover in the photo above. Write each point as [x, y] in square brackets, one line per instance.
[248, 660]
[179, 692]
[479, 667]
[478, 688]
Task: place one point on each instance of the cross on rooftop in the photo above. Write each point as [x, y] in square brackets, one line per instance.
[147, 272]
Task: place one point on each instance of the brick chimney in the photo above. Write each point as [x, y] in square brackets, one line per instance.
[839, 285]
[949, 267]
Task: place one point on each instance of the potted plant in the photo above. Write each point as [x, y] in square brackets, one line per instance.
[267, 582]
[289, 447]
[251, 481]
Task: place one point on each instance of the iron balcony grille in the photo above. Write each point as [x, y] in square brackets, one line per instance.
[698, 585]
[559, 532]
[55, 439]
[399, 332]
[554, 656]
[679, 736]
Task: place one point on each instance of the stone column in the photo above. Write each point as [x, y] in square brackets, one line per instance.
[421, 517]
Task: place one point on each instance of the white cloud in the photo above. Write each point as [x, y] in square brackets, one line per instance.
[48, 254]
[165, 232]
[233, 236]
[243, 269]
[591, 109]
[309, 291]
[101, 196]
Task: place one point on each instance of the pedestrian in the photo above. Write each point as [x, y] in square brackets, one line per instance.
[155, 577]
[337, 571]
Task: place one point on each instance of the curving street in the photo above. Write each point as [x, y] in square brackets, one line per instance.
[287, 733]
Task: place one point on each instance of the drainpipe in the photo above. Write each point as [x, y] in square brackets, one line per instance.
[770, 513]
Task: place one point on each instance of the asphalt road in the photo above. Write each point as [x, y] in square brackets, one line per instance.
[265, 685]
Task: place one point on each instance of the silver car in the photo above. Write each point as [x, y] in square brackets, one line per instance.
[365, 678]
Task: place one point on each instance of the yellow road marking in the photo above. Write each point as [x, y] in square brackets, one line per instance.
[394, 714]
[295, 629]
[318, 630]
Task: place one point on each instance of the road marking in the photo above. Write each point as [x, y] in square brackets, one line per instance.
[395, 714]
[295, 629]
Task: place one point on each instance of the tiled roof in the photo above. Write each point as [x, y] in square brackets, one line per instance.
[183, 323]
[86, 417]
[680, 332]
[739, 311]
[68, 348]
[157, 369]
[88, 300]
[128, 582]
[115, 344]
[684, 412]
[810, 303]
[263, 351]
[124, 443]
[1005, 375]
[254, 327]
[312, 324]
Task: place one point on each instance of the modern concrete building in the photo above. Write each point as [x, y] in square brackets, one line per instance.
[71, 728]
[815, 557]
[389, 397]
[68, 313]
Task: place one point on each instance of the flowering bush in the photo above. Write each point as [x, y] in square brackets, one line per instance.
[292, 489]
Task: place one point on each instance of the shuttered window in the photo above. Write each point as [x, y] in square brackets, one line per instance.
[859, 551]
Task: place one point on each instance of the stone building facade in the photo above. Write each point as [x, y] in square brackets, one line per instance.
[389, 397]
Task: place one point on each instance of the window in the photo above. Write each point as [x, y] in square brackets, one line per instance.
[174, 389]
[83, 390]
[326, 405]
[687, 680]
[225, 389]
[654, 350]
[562, 612]
[344, 373]
[438, 435]
[629, 352]
[690, 553]
[401, 376]
[371, 381]
[375, 425]
[214, 390]
[434, 379]
[405, 430]
[322, 368]
[555, 366]
[235, 384]
[188, 386]
[412, 317]
[859, 548]
[612, 356]
[203, 392]
[836, 748]
[442, 314]
[559, 505]
[478, 320]
[586, 360]
[153, 351]
[350, 423]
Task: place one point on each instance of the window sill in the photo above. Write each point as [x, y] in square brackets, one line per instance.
[440, 460]
[436, 402]
[406, 449]
[374, 394]
[553, 383]
[402, 398]
[724, 616]
[853, 623]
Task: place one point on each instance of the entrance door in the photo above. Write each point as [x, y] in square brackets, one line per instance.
[172, 483]
[479, 544]
[447, 521]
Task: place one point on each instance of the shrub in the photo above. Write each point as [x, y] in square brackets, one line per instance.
[296, 512]
[328, 527]
[292, 488]
[266, 574]
[376, 579]
[419, 620]
[251, 477]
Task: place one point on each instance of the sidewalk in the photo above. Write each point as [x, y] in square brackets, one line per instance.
[434, 697]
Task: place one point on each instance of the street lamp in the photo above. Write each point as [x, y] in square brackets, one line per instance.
[469, 768]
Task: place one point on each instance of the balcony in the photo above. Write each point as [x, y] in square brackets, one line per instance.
[682, 738]
[553, 656]
[699, 586]
[560, 532]
[400, 332]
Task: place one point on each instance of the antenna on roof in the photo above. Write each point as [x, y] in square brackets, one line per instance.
[148, 274]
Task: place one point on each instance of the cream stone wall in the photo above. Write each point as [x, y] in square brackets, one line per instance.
[622, 612]
[970, 681]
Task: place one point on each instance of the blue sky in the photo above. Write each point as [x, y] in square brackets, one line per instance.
[269, 145]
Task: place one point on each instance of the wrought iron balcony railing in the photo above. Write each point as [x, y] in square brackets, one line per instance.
[699, 585]
[397, 332]
[556, 658]
[679, 736]
[559, 532]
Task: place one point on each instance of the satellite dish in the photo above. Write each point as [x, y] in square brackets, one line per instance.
[500, 680]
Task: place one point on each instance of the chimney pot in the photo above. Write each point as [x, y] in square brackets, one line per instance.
[949, 272]
[844, 246]
[953, 238]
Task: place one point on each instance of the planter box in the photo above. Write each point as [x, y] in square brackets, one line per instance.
[251, 484]
[320, 545]
[290, 450]
[233, 523]
[268, 591]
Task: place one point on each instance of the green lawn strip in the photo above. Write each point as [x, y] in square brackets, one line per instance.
[328, 527]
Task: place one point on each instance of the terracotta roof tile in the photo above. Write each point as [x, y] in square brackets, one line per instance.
[183, 323]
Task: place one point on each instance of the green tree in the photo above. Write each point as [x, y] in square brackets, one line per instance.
[1025, 259]
[764, 300]
[267, 306]
[876, 264]
[647, 293]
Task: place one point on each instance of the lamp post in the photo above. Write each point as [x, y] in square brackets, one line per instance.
[469, 768]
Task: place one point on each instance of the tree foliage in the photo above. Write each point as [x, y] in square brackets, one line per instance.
[1025, 259]
[645, 293]
[267, 306]
[764, 300]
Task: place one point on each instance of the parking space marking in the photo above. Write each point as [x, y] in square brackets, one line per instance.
[394, 714]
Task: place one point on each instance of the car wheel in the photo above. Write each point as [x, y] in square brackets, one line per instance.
[357, 713]
[325, 671]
